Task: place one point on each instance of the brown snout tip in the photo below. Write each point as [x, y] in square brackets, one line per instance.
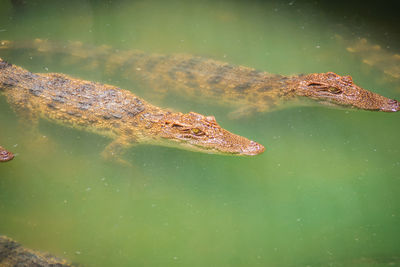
[253, 148]
[5, 155]
[392, 106]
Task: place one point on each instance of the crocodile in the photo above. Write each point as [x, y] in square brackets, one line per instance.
[5, 155]
[374, 55]
[13, 254]
[115, 113]
[245, 88]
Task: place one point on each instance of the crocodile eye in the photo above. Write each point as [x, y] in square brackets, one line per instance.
[334, 90]
[197, 131]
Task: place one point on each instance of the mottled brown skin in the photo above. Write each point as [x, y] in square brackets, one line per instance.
[341, 90]
[373, 55]
[5, 155]
[245, 88]
[256, 90]
[116, 113]
[13, 254]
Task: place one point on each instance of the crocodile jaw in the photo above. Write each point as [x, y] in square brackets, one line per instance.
[252, 149]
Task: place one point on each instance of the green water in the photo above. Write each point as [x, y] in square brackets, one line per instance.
[325, 193]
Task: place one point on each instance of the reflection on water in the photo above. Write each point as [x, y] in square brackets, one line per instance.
[325, 192]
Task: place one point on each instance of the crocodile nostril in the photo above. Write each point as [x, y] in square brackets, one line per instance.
[391, 106]
[5, 155]
[396, 105]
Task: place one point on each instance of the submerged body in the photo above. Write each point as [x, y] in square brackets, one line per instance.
[374, 55]
[13, 254]
[5, 155]
[116, 113]
[245, 88]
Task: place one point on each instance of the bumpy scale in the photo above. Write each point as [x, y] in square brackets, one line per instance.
[13, 254]
[116, 113]
[208, 79]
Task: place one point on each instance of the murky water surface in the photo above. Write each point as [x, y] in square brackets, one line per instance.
[325, 193]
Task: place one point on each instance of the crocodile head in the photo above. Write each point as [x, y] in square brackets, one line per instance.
[196, 132]
[331, 88]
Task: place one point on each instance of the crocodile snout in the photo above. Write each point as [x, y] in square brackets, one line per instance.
[391, 106]
[5, 155]
[253, 148]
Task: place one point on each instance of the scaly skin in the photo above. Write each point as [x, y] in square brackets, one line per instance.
[208, 79]
[5, 155]
[115, 113]
[13, 254]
